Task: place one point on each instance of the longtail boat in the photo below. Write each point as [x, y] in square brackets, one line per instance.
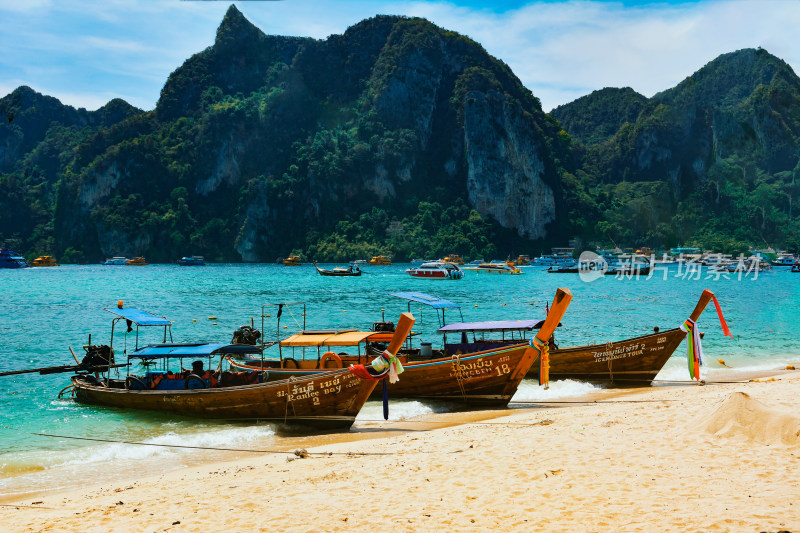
[489, 377]
[630, 362]
[326, 400]
[353, 270]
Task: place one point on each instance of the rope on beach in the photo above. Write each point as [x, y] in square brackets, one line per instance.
[27, 506]
[534, 402]
[289, 452]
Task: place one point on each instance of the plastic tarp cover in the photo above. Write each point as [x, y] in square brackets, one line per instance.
[139, 317]
[493, 325]
[350, 338]
[163, 351]
[427, 299]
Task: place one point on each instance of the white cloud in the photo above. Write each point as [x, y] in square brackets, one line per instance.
[560, 50]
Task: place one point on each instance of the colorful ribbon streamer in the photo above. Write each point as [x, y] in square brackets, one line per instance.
[694, 356]
[390, 360]
[544, 361]
[725, 330]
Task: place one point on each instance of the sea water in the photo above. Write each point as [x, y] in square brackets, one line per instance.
[44, 311]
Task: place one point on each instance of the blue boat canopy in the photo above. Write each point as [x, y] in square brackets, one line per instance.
[139, 317]
[163, 351]
[427, 299]
[493, 325]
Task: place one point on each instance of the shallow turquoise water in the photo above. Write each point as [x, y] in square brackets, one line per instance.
[45, 310]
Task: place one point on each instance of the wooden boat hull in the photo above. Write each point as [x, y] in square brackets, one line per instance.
[337, 273]
[482, 378]
[326, 400]
[631, 362]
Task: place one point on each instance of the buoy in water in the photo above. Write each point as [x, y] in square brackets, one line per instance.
[194, 320]
[212, 318]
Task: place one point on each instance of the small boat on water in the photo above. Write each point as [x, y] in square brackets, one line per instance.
[353, 270]
[293, 260]
[115, 261]
[796, 267]
[380, 260]
[195, 260]
[323, 400]
[436, 270]
[45, 261]
[559, 257]
[630, 362]
[784, 260]
[136, 261]
[494, 268]
[11, 259]
[489, 377]
[453, 258]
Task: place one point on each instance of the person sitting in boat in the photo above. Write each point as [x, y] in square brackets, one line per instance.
[199, 371]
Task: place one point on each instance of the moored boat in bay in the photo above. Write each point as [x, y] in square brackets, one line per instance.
[488, 377]
[327, 400]
[353, 270]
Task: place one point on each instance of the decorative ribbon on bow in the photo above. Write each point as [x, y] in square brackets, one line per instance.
[390, 360]
[543, 348]
[725, 330]
[694, 356]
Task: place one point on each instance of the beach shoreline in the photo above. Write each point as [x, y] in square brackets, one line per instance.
[720, 457]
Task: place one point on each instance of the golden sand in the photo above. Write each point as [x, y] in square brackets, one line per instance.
[721, 457]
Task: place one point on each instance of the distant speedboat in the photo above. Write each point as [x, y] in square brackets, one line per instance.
[195, 260]
[136, 261]
[494, 268]
[293, 260]
[10, 259]
[784, 259]
[436, 270]
[115, 261]
[380, 260]
[44, 261]
[453, 258]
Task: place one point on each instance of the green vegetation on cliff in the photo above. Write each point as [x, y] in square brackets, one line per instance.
[262, 145]
[401, 138]
[711, 162]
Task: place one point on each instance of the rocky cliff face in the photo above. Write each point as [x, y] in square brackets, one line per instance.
[743, 104]
[505, 165]
[260, 144]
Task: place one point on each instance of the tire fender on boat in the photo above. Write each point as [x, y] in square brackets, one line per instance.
[330, 356]
[198, 378]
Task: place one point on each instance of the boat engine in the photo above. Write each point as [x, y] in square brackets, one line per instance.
[246, 335]
[97, 355]
[383, 327]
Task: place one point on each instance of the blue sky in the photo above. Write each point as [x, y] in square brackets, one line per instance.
[86, 52]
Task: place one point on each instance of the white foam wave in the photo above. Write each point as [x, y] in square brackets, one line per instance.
[399, 410]
[676, 368]
[566, 388]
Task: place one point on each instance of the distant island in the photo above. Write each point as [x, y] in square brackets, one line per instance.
[403, 139]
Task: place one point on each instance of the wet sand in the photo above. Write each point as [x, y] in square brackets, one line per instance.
[719, 457]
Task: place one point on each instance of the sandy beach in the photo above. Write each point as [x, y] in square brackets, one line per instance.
[719, 457]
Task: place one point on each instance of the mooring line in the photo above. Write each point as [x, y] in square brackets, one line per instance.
[27, 506]
[289, 452]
